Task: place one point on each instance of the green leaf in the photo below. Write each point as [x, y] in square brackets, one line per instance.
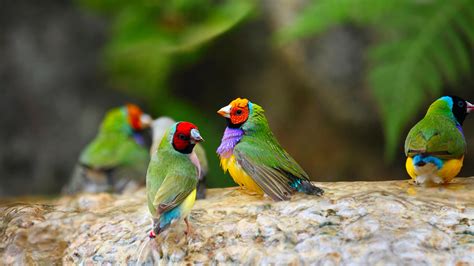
[150, 38]
[223, 19]
[319, 15]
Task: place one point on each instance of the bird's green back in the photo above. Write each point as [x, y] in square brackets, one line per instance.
[112, 150]
[258, 138]
[438, 133]
[114, 145]
[116, 120]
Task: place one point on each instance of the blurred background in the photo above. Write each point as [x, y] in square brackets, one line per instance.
[341, 81]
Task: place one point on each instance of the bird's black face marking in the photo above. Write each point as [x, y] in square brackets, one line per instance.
[459, 109]
[230, 125]
[183, 137]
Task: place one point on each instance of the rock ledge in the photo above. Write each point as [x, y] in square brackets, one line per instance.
[354, 222]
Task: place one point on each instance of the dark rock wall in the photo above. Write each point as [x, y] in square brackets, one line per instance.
[52, 92]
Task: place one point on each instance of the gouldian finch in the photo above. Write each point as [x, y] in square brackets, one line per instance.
[255, 159]
[172, 177]
[159, 128]
[117, 156]
[435, 146]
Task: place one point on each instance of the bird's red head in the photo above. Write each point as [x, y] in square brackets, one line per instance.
[237, 112]
[136, 118]
[185, 137]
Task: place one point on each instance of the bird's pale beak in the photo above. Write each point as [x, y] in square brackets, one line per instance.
[146, 120]
[225, 111]
[196, 136]
[470, 107]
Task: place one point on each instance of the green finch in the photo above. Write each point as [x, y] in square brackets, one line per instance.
[117, 156]
[435, 146]
[172, 177]
[159, 128]
[255, 159]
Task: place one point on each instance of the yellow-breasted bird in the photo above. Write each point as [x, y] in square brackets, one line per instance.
[435, 146]
[172, 177]
[255, 159]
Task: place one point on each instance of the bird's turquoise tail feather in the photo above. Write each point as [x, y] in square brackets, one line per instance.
[306, 187]
[166, 219]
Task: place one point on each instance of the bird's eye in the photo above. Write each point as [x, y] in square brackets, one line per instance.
[461, 104]
[182, 137]
[238, 112]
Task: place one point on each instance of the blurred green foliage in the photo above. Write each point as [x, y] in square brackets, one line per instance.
[422, 46]
[152, 38]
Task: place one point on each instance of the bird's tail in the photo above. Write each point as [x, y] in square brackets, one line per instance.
[159, 227]
[306, 187]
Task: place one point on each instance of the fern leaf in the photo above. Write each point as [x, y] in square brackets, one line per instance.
[319, 15]
[425, 44]
[218, 23]
[464, 22]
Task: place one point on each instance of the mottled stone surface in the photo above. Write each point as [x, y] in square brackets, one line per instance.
[358, 223]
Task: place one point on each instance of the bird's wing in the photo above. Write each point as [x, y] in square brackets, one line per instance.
[108, 152]
[435, 136]
[271, 167]
[173, 191]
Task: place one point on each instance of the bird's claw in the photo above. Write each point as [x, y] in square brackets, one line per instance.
[189, 232]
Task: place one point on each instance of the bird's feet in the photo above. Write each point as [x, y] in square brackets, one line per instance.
[437, 180]
[154, 227]
[247, 191]
[420, 180]
[189, 230]
[235, 192]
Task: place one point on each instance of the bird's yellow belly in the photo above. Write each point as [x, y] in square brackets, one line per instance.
[188, 204]
[239, 175]
[450, 169]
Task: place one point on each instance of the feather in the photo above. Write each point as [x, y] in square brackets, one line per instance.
[259, 154]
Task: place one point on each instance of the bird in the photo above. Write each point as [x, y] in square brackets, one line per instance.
[117, 157]
[252, 155]
[435, 146]
[172, 177]
[159, 128]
